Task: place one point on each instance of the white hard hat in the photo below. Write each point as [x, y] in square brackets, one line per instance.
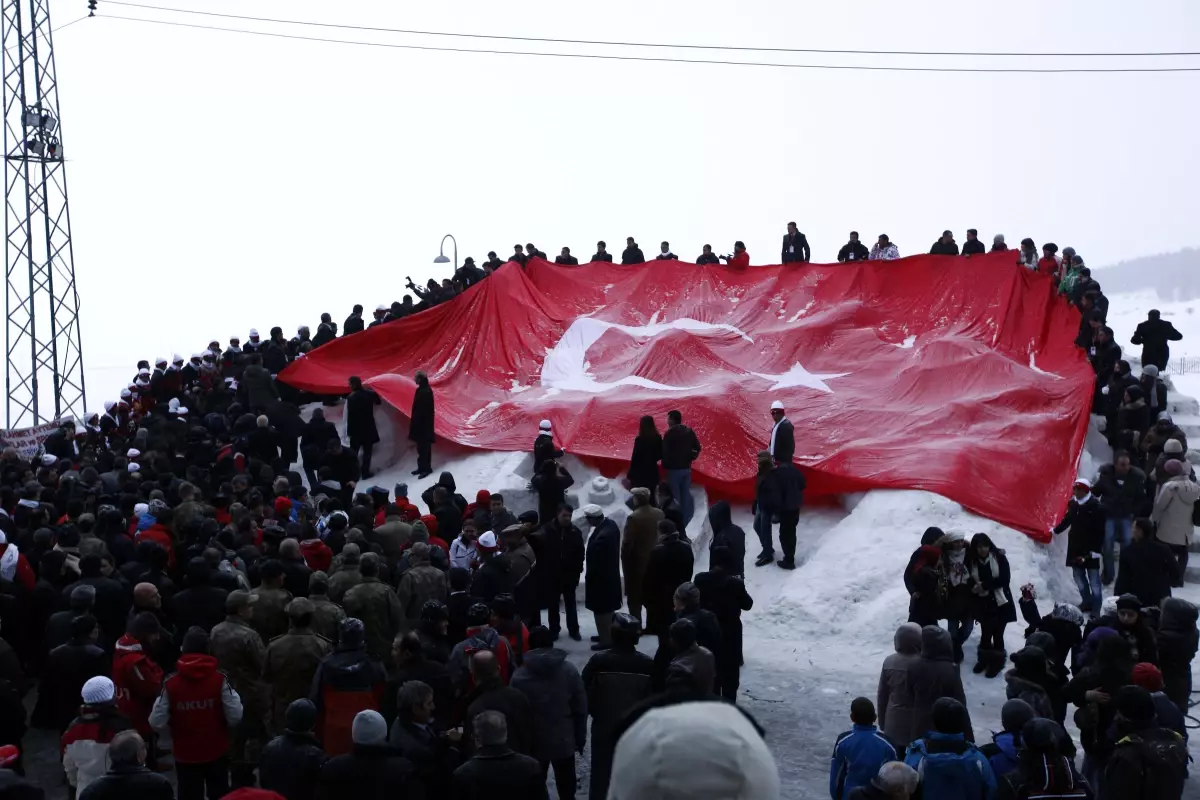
[777, 406]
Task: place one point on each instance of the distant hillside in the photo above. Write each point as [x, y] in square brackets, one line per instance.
[1174, 276]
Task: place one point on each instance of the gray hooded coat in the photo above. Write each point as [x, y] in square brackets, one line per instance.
[559, 702]
[895, 701]
[933, 677]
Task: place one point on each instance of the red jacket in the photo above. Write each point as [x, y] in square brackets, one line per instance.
[195, 698]
[739, 260]
[431, 524]
[407, 510]
[316, 554]
[138, 681]
[1047, 266]
[159, 533]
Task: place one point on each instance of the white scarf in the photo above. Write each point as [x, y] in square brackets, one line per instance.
[1080, 500]
[994, 571]
[958, 566]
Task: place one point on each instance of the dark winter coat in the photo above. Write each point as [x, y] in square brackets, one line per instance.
[1086, 538]
[726, 534]
[317, 434]
[500, 773]
[707, 258]
[632, 255]
[360, 418]
[202, 606]
[326, 333]
[605, 256]
[259, 386]
[783, 438]
[544, 450]
[941, 248]
[781, 490]
[643, 463]
[616, 681]
[494, 577]
[551, 491]
[291, 765]
[113, 601]
[368, 772]
[556, 696]
[934, 676]
[680, 447]
[987, 607]
[429, 753]
[1121, 497]
[972, 247]
[1153, 335]
[671, 563]
[510, 702]
[602, 579]
[67, 668]
[725, 595]
[1147, 569]
[1177, 644]
[853, 251]
[125, 782]
[353, 324]
[560, 556]
[795, 248]
[420, 426]
[1148, 764]
[895, 699]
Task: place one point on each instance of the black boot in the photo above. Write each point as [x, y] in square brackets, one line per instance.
[996, 665]
[981, 660]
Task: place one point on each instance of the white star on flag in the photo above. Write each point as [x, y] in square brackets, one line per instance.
[799, 376]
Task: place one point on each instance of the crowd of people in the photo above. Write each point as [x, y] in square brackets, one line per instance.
[199, 579]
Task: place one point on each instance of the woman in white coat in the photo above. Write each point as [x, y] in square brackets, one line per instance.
[1173, 507]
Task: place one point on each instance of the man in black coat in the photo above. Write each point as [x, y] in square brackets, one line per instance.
[972, 246]
[496, 770]
[1148, 568]
[326, 331]
[415, 736]
[127, 775]
[491, 694]
[420, 426]
[372, 770]
[670, 564]
[795, 246]
[707, 257]
[632, 253]
[602, 580]
[354, 322]
[616, 681]
[1121, 488]
[783, 435]
[945, 246]
[560, 555]
[723, 593]
[291, 762]
[493, 261]
[67, 668]
[601, 253]
[566, 258]
[781, 495]
[360, 422]
[1153, 335]
[316, 435]
[201, 604]
[1085, 518]
[853, 250]
[112, 599]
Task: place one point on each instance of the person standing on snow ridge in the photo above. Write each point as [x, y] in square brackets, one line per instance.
[360, 422]
[420, 425]
[707, 257]
[740, 259]
[884, 250]
[795, 246]
[945, 246]
[853, 250]
[972, 246]
[1153, 335]
[565, 257]
[666, 254]
[601, 253]
[680, 448]
[633, 253]
[543, 447]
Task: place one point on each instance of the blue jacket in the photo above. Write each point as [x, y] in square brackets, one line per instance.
[857, 757]
[1006, 760]
[951, 768]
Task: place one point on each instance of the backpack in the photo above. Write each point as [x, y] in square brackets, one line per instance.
[946, 776]
[1060, 782]
[1164, 762]
[476, 643]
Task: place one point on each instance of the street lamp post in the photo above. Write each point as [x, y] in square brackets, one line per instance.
[441, 257]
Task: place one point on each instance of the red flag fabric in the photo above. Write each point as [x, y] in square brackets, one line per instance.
[954, 375]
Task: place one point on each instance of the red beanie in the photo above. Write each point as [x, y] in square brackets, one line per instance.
[1148, 677]
[483, 497]
[430, 523]
[8, 754]
[283, 507]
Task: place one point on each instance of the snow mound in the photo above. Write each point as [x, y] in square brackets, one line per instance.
[840, 609]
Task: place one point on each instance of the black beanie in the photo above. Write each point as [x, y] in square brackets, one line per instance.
[301, 716]
[949, 716]
[195, 641]
[1135, 704]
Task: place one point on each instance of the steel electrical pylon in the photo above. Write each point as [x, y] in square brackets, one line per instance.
[43, 350]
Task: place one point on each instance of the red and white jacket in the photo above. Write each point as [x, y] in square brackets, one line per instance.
[138, 681]
[85, 744]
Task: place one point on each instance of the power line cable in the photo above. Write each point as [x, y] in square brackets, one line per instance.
[816, 51]
[657, 59]
[68, 24]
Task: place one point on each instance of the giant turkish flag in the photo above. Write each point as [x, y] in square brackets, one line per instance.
[954, 375]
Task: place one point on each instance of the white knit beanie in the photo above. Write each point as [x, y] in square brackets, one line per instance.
[98, 690]
[368, 728]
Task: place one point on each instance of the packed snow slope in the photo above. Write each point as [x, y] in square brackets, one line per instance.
[928, 373]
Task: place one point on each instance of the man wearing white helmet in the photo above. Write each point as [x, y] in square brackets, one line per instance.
[543, 446]
[783, 437]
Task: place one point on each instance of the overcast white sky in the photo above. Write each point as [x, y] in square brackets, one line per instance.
[221, 181]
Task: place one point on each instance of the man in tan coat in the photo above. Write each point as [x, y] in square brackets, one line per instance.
[1173, 507]
[641, 534]
[269, 608]
[376, 604]
[327, 615]
[420, 584]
